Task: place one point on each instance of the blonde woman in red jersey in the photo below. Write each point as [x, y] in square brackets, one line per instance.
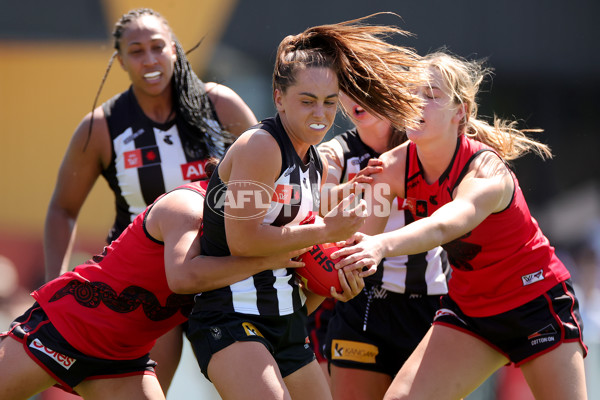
[510, 298]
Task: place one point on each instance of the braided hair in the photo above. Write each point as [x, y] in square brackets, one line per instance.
[190, 98]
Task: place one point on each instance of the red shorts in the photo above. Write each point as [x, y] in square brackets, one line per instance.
[525, 332]
[69, 367]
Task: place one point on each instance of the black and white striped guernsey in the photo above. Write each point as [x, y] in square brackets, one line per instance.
[272, 292]
[148, 158]
[422, 273]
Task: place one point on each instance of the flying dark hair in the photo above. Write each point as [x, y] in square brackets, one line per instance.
[375, 73]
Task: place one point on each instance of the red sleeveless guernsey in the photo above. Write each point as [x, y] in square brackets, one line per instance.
[504, 262]
[118, 303]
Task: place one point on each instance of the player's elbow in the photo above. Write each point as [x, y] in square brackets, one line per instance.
[242, 245]
[178, 286]
[183, 283]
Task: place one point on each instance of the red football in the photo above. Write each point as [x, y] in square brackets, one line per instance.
[318, 273]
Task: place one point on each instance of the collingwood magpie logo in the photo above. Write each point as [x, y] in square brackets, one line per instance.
[216, 332]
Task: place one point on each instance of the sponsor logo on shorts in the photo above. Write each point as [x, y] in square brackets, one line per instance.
[443, 312]
[353, 351]
[251, 329]
[61, 359]
[533, 277]
[544, 335]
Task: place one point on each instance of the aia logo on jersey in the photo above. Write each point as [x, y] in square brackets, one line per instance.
[141, 157]
[194, 170]
[286, 194]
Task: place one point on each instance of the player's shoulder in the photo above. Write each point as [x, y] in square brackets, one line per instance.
[219, 93]
[92, 131]
[396, 157]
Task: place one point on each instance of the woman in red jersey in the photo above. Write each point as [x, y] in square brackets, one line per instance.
[90, 330]
[510, 299]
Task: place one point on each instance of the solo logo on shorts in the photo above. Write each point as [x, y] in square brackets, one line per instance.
[61, 359]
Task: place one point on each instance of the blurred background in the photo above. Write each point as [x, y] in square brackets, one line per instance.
[545, 55]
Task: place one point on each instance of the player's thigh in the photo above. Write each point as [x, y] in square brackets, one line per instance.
[136, 387]
[358, 384]
[246, 370]
[558, 374]
[20, 376]
[459, 363]
[308, 383]
[167, 353]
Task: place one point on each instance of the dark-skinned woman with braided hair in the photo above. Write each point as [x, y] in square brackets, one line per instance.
[145, 141]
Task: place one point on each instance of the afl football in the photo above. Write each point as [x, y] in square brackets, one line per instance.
[318, 273]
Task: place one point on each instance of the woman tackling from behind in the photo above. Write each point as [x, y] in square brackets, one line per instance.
[90, 329]
[510, 299]
[145, 141]
[262, 196]
[386, 322]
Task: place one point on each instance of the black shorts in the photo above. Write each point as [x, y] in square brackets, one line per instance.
[284, 336]
[68, 366]
[378, 329]
[317, 327]
[525, 332]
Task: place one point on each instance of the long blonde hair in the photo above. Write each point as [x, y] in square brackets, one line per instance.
[462, 79]
[373, 72]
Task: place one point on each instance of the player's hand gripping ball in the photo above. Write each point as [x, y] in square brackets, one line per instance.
[319, 274]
